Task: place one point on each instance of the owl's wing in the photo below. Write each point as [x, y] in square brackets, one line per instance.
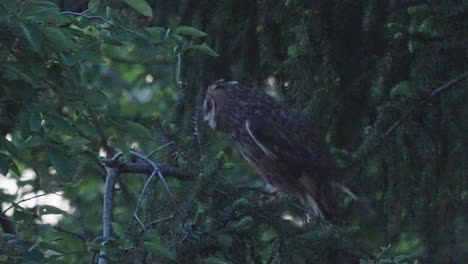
[287, 141]
[281, 140]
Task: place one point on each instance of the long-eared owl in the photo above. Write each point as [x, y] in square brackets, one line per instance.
[277, 142]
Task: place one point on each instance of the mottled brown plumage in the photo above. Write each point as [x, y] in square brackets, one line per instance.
[277, 143]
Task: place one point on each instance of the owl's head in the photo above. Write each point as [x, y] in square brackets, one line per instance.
[220, 108]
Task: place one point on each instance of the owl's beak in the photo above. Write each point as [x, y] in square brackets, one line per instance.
[208, 115]
[212, 123]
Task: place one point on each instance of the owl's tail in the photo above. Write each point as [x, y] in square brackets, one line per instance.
[344, 189]
[324, 203]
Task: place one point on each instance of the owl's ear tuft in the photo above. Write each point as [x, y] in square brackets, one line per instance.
[217, 84]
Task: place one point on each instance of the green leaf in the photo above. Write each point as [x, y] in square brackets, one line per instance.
[177, 68]
[96, 98]
[205, 49]
[214, 260]
[92, 159]
[20, 73]
[35, 121]
[76, 140]
[240, 203]
[159, 250]
[8, 146]
[118, 230]
[406, 89]
[245, 223]
[61, 124]
[5, 163]
[58, 39]
[295, 51]
[156, 33]
[33, 36]
[60, 163]
[190, 31]
[135, 130]
[268, 235]
[120, 141]
[51, 246]
[49, 209]
[33, 256]
[396, 27]
[419, 10]
[141, 6]
[33, 141]
[93, 4]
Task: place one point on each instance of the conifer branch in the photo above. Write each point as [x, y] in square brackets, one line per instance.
[424, 101]
[377, 141]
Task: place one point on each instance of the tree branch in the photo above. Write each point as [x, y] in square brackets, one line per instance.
[140, 167]
[377, 141]
[424, 101]
[112, 174]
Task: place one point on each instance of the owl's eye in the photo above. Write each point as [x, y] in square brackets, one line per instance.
[209, 105]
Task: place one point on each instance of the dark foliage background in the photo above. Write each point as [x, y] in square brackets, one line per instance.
[83, 80]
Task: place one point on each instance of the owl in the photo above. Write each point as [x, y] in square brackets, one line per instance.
[278, 143]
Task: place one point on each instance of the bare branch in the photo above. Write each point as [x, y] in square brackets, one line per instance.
[158, 172]
[158, 149]
[112, 174]
[142, 195]
[139, 167]
[162, 219]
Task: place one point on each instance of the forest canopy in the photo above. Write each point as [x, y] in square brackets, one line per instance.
[105, 156]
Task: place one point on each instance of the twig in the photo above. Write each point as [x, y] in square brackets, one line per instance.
[158, 149]
[84, 15]
[75, 234]
[142, 195]
[113, 163]
[158, 172]
[139, 167]
[112, 174]
[257, 189]
[27, 199]
[162, 220]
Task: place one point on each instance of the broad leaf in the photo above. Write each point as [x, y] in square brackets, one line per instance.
[35, 122]
[59, 162]
[58, 39]
[205, 49]
[136, 130]
[49, 209]
[118, 230]
[141, 6]
[214, 260]
[61, 124]
[190, 31]
[159, 250]
[33, 36]
[5, 163]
